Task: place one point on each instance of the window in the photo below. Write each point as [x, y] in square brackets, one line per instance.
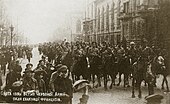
[126, 7]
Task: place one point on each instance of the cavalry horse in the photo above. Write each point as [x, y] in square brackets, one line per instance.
[142, 70]
[124, 67]
[109, 69]
[95, 68]
[160, 68]
[80, 68]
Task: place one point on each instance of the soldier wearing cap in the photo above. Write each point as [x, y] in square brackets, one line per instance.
[29, 66]
[62, 84]
[93, 50]
[39, 74]
[78, 52]
[105, 51]
[29, 82]
[132, 52]
[147, 52]
[120, 52]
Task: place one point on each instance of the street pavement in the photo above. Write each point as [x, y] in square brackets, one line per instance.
[117, 95]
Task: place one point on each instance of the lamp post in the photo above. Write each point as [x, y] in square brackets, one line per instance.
[12, 29]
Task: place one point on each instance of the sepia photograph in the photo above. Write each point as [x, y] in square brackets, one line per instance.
[84, 51]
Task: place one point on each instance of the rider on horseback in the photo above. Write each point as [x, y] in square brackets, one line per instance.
[105, 51]
[147, 52]
[93, 50]
[132, 52]
[120, 52]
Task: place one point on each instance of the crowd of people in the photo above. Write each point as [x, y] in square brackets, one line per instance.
[58, 61]
[9, 60]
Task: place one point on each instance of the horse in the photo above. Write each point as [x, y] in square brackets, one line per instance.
[160, 68]
[80, 68]
[124, 67]
[142, 70]
[95, 68]
[109, 69]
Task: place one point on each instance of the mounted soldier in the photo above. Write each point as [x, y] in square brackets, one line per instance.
[120, 52]
[80, 64]
[78, 52]
[147, 52]
[132, 52]
[95, 62]
[105, 52]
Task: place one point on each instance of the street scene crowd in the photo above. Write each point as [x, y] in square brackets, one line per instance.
[64, 63]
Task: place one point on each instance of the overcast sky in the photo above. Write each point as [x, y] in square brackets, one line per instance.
[38, 19]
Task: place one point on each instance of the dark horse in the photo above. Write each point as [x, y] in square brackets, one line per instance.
[80, 68]
[160, 68]
[124, 67]
[95, 68]
[109, 69]
[142, 70]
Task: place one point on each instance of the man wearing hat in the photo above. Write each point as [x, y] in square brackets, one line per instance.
[29, 82]
[62, 84]
[132, 52]
[39, 74]
[54, 75]
[147, 52]
[17, 69]
[29, 66]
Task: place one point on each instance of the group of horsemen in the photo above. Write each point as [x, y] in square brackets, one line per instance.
[56, 53]
[53, 55]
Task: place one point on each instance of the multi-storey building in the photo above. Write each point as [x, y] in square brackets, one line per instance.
[138, 19]
[145, 19]
[133, 20]
[102, 22]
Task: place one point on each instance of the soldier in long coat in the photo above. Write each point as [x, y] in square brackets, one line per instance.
[62, 84]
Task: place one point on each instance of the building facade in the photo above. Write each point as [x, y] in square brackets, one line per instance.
[139, 19]
[145, 19]
[133, 20]
[102, 21]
